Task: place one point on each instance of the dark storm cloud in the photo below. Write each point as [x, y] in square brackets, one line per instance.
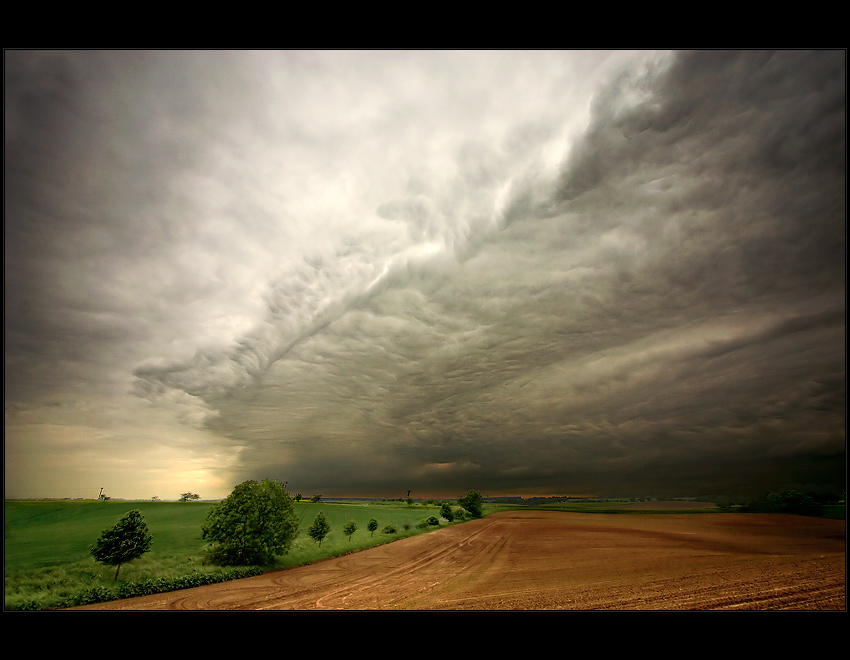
[679, 304]
[456, 282]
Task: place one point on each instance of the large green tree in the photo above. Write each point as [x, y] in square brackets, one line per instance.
[251, 525]
[473, 503]
[128, 540]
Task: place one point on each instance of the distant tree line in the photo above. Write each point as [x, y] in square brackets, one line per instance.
[788, 501]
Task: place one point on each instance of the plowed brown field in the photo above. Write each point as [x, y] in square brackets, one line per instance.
[536, 560]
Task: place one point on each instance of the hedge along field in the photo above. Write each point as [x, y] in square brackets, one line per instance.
[47, 542]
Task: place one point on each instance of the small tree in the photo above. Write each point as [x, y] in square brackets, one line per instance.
[319, 529]
[251, 525]
[473, 503]
[349, 528]
[373, 525]
[316, 498]
[446, 511]
[188, 497]
[128, 540]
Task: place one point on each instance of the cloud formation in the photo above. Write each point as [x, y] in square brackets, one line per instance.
[368, 272]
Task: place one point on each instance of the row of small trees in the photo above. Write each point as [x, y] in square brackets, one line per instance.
[321, 528]
[249, 527]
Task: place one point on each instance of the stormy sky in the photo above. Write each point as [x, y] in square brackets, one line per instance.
[368, 272]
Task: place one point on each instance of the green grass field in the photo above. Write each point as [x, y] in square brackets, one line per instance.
[47, 541]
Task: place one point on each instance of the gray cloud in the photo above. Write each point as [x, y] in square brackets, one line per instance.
[369, 272]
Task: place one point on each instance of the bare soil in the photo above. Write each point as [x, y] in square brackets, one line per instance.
[546, 560]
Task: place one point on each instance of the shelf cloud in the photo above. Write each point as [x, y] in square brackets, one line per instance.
[368, 272]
